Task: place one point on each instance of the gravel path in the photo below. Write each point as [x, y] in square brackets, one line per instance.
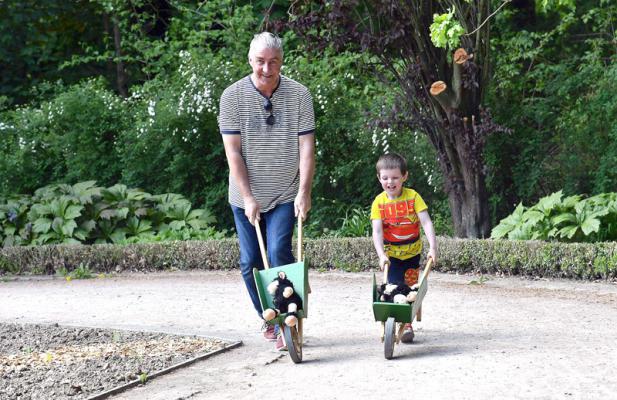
[507, 338]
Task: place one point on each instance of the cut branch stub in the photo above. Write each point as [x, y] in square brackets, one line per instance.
[438, 87]
[460, 56]
[444, 96]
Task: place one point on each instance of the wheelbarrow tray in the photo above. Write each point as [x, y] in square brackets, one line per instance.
[404, 313]
[297, 273]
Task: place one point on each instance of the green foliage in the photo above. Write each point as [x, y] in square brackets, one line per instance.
[174, 145]
[446, 30]
[480, 281]
[8, 267]
[80, 272]
[70, 137]
[36, 37]
[571, 219]
[356, 223]
[554, 79]
[85, 213]
[564, 6]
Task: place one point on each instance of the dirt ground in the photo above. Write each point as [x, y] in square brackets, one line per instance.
[508, 338]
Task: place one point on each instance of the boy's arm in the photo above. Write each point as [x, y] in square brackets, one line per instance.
[378, 242]
[429, 231]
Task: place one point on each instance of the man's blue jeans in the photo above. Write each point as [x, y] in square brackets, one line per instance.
[277, 230]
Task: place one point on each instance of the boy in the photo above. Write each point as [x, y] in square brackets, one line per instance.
[396, 214]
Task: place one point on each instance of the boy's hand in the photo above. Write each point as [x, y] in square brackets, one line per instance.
[383, 260]
[432, 254]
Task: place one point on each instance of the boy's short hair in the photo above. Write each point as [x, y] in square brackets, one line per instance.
[392, 161]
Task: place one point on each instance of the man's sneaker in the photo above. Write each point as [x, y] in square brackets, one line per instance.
[280, 344]
[408, 334]
[270, 332]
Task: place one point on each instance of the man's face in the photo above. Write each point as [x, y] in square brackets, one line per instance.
[266, 64]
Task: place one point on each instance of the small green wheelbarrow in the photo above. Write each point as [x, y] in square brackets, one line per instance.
[390, 315]
[297, 273]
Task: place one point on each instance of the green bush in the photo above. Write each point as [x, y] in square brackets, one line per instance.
[85, 213]
[572, 219]
[67, 139]
[500, 257]
[174, 144]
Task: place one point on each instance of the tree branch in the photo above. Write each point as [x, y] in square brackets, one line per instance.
[487, 18]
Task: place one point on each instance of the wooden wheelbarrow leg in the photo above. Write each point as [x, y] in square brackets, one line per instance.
[425, 272]
[399, 334]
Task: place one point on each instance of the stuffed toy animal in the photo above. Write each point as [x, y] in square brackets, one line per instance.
[285, 300]
[397, 293]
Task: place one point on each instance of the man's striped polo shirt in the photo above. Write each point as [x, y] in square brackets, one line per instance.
[270, 152]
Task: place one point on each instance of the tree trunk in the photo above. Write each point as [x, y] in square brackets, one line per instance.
[468, 201]
[460, 141]
[121, 75]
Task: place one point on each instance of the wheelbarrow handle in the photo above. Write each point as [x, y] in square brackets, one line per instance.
[262, 248]
[427, 269]
[385, 271]
[299, 237]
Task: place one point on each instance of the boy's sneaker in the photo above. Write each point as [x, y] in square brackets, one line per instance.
[408, 334]
[280, 344]
[270, 333]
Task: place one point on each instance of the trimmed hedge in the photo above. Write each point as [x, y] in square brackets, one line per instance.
[184, 255]
[503, 257]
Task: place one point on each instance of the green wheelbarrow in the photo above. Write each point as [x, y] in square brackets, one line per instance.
[390, 315]
[297, 273]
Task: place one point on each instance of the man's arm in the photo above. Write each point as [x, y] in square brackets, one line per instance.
[237, 169]
[302, 204]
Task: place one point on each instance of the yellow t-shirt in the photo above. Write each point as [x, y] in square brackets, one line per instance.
[401, 225]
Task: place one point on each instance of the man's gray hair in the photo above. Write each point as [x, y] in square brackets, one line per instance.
[266, 40]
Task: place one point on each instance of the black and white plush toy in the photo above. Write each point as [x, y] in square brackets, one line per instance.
[285, 300]
[397, 293]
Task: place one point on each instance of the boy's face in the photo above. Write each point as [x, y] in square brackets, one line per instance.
[392, 181]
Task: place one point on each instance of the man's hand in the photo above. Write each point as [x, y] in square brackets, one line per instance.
[302, 205]
[251, 209]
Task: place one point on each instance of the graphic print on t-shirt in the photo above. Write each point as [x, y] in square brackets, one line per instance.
[401, 225]
[400, 222]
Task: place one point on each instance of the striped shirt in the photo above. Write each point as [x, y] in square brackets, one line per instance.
[270, 152]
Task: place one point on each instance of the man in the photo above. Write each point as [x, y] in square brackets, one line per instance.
[268, 127]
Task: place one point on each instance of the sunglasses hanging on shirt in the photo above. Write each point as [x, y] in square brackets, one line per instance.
[270, 120]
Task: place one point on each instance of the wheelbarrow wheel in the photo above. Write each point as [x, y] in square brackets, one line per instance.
[293, 342]
[388, 344]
